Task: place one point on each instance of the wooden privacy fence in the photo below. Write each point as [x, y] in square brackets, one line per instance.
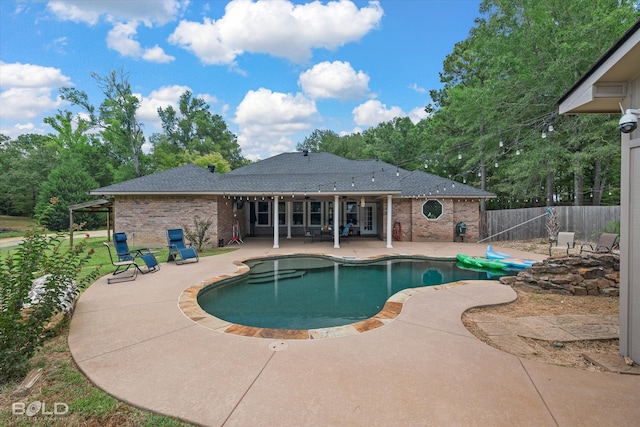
[586, 221]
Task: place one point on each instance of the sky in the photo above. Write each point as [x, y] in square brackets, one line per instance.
[274, 70]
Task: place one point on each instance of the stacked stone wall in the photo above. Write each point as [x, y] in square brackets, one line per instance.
[596, 274]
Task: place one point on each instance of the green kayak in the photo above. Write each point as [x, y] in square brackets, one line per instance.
[482, 262]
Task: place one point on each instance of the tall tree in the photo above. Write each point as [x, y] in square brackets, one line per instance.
[74, 141]
[502, 83]
[194, 128]
[68, 184]
[25, 163]
[116, 116]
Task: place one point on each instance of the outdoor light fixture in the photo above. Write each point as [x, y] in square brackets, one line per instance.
[362, 202]
[629, 121]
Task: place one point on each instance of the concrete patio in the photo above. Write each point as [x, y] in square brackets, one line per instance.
[422, 368]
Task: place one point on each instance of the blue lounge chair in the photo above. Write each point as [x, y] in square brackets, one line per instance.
[178, 250]
[125, 254]
[121, 267]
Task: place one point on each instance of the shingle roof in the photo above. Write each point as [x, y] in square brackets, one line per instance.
[297, 173]
[183, 179]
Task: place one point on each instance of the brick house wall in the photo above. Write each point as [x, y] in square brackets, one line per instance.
[146, 218]
[227, 218]
[468, 211]
[401, 212]
[416, 227]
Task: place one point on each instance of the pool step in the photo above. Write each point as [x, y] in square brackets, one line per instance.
[269, 276]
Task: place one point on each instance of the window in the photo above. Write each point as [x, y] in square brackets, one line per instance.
[352, 213]
[432, 209]
[282, 213]
[298, 213]
[315, 213]
[263, 213]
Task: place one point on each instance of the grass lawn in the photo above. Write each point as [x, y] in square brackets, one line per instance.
[63, 382]
[14, 226]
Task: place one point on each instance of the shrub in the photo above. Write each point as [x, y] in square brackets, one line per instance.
[198, 235]
[612, 227]
[24, 319]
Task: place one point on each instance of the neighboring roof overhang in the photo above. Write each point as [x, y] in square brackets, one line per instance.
[102, 205]
[604, 86]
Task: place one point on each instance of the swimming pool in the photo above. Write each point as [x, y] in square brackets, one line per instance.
[319, 292]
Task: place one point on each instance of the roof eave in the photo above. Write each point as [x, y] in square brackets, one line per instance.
[603, 86]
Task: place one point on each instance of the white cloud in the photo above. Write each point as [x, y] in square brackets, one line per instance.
[21, 129]
[418, 114]
[31, 76]
[27, 90]
[417, 88]
[89, 12]
[276, 27]
[373, 112]
[204, 40]
[156, 54]
[334, 80]
[266, 119]
[68, 11]
[121, 38]
[125, 17]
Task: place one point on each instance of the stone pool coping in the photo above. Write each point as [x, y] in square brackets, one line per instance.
[188, 304]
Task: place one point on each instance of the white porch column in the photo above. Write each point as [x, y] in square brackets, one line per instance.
[276, 227]
[288, 216]
[336, 221]
[389, 212]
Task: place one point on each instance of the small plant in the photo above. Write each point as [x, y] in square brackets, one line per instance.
[26, 304]
[612, 227]
[552, 225]
[198, 236]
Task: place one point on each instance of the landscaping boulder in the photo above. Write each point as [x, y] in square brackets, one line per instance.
[585, 274]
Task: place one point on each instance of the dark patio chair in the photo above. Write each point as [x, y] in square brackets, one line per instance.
[607, 242]
[178, 250]
[121, 267]
[309, 234]
[126, 254]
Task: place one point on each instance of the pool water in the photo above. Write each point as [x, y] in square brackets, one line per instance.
[317, 292]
